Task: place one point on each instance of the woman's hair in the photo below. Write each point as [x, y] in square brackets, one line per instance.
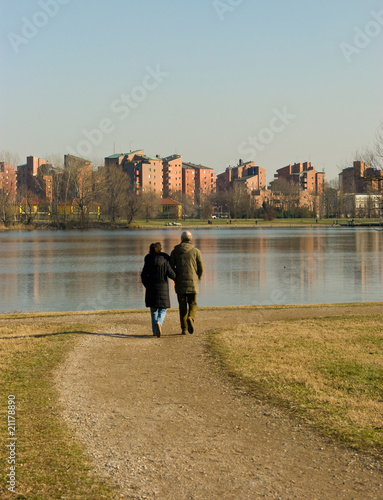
[155, 247]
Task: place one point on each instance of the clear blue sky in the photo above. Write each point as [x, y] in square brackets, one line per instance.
[272, 81]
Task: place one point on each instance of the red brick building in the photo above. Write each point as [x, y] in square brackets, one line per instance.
[361, 179]
[8, 179]
[35, 177]
[304, 175]
[83, 178]
[172, 175]
[145, 172]
[188, 182]
[205, 180]
[148, 175]
[253, 177]
[120, 159]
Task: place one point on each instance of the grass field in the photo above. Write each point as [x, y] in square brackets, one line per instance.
[49, 463]
[197, 223]
[245, 222]
[328, 372]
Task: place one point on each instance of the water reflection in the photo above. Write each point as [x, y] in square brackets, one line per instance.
[62, 271]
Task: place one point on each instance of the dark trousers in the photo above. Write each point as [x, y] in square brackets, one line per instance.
[188, 307]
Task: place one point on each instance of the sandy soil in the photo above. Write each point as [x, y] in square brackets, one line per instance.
[160, 420]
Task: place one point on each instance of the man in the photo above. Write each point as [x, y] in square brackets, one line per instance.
[186, 260]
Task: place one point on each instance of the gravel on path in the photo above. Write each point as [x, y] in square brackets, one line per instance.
[160, 420]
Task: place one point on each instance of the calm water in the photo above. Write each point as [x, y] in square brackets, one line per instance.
[67, 271]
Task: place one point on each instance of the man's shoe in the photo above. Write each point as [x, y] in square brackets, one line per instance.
[158, 330]
[190, 325]
[184, 332]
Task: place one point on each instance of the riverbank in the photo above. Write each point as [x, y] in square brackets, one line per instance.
[160, 418]
[191, 224]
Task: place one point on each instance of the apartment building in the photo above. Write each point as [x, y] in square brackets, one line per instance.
[148, 175]
[361, 178]
[145, 172]
[7, 179]
[362, 205]
[164, 176]
[121, 159]
[188, 182]
[205, 180]
[250, 182]
[303, 175]
[172, 175]
[80, 173]
[252, 177]
[35, 178]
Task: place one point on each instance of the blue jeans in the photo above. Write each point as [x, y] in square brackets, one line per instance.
[158, 316]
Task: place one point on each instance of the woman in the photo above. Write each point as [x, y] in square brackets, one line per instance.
[154, 277]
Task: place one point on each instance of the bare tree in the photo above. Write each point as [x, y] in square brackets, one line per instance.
[27, 201]
[329, 199]
[67, 184]
[112, 185]
[7, 208]
[84, 194]
[150, 204]
[379, 146]
[9, 157]
[238, 200]
[289, 191]
[188, 207]
[133, 206]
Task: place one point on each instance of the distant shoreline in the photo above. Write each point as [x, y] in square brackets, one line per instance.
[203, 224]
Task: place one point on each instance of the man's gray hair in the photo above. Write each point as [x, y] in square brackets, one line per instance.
[186, 236]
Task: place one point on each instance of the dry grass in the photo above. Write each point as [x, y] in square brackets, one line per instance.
[328, 371]
[49, 463]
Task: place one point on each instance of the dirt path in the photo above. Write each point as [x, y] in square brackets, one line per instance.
[161, 421]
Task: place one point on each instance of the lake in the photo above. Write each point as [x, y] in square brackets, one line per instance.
[95, 270]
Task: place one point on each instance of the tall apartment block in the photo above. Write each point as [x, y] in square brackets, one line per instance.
[304, 175]
[145, 172]
[148, 175]
[188, 182]
[35, 178]
[172, 175]
[121, 159]
[361, 179]
[8, 179]
[82, 179]
[252, 177]
[205, 180]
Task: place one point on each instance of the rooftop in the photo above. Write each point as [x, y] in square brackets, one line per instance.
[118, 155]
[172, 157]
[193, 165]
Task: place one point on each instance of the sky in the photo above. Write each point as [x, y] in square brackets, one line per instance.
[274, 82]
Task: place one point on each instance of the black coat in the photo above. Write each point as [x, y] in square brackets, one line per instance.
[154, 277]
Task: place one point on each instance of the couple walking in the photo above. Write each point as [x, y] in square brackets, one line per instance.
[184, 266]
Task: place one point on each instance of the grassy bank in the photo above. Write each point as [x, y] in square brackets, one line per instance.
[49, 463]
[189, 223]
[328, 372]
